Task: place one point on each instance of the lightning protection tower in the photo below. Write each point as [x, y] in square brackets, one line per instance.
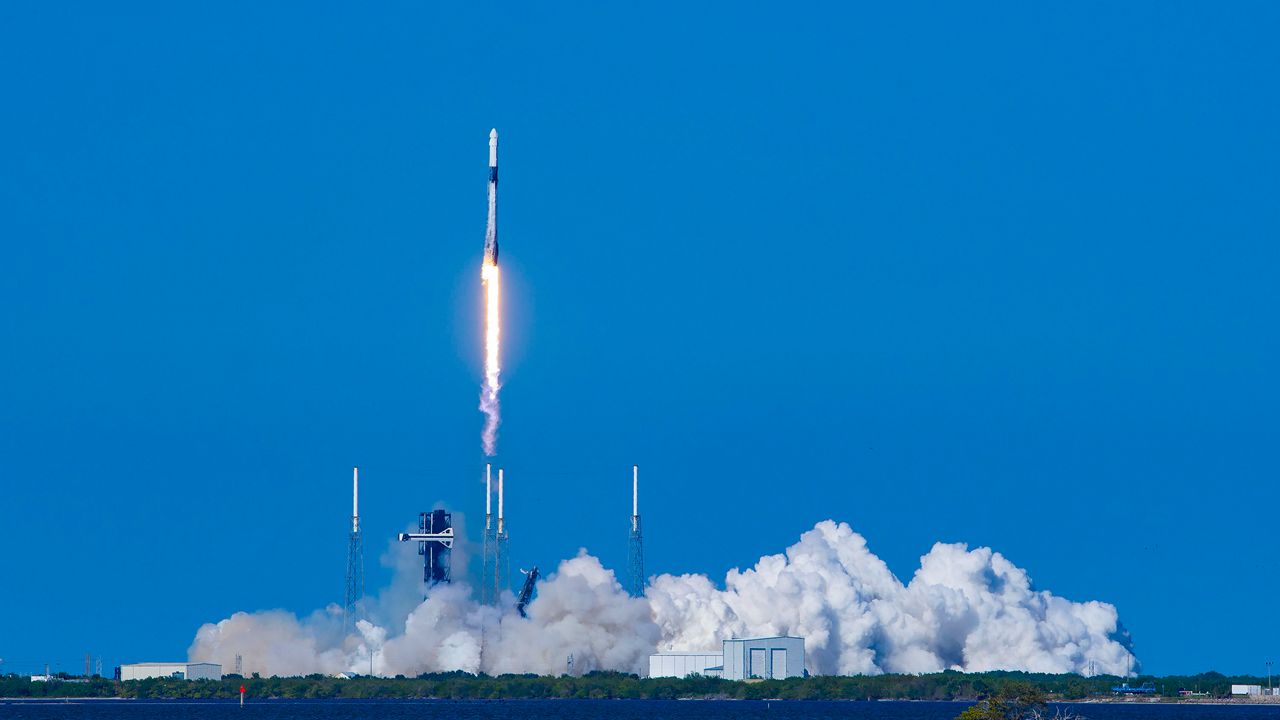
[635, 544]
[489, 563]
[501, 560]
[355, 560]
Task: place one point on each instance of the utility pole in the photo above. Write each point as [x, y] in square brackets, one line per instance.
[1269, 664]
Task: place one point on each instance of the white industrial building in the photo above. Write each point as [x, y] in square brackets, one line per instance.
[182, 671]
[684, 664]
[1246, 689]
[771, 658]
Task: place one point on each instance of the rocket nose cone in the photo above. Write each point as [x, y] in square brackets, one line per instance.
[493, 134]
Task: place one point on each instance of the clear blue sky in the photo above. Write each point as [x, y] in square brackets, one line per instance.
[1002, 274]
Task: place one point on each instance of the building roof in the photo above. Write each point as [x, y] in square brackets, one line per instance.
[174, 664]
[769, 637]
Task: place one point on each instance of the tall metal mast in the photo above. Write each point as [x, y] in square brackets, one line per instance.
[489, 564]
[501, 560]
[635, 544]
[355, 559]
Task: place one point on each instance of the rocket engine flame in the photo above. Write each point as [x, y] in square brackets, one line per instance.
[489, 277]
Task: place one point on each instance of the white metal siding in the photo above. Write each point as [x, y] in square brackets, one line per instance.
[778, 663]
[204, 671]
[189, 671]
[733, 661]
[777, 657]
[682, 664]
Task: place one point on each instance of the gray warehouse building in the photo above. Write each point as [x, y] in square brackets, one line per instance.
[739, 659]
[184, 671]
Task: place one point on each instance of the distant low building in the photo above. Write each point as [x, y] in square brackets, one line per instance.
[41, 678]
[181, 671]
[1246, 689]
[684, 664]
[770, 658]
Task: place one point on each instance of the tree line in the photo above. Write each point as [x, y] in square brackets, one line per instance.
[950, 685]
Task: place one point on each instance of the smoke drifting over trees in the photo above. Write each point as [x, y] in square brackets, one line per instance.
[964, 609]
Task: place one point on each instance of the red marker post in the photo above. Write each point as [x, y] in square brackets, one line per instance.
[242, 696]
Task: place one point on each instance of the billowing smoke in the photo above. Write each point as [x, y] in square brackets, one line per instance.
[581, 610]
[964, 609]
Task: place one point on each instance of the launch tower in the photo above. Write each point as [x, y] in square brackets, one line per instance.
[435, 544]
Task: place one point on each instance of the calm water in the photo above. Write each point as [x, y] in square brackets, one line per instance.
[576, 710]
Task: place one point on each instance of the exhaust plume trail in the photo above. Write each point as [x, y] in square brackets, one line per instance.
[489, 279]
[489, 393]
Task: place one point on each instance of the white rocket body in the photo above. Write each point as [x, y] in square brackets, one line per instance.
[491, 231]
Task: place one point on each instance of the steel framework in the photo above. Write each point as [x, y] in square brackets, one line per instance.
[635, 544]
[355, 560]
[488, 561]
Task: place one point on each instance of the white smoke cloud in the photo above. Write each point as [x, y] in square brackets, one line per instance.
[275, 642]
[580, 610]
[964, 609]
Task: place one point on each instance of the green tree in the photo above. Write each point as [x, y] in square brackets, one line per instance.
[1013, 701]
